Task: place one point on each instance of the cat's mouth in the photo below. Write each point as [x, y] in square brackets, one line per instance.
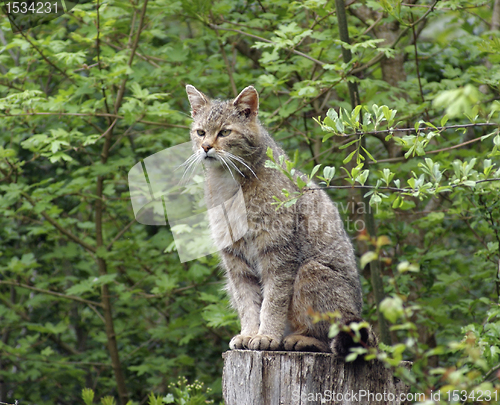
[209, 155]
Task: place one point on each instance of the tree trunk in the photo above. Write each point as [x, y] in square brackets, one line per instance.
[299, 378]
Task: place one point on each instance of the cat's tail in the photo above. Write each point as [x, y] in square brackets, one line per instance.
[341, 344]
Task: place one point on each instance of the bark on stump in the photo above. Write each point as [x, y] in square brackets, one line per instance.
[300, 378]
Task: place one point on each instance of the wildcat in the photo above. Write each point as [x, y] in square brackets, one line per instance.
[290, 260]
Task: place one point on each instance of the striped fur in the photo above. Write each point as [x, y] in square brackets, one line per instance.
[291, 260]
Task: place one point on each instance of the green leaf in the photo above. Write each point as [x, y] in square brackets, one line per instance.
[155, 400]
[6, 153]
[369, 155]
[375, 199]
[362, 177]
[392, 308]
[341, 147]
[271, 165]
[108, 400]
[329, 172]
[47, 352]
[349, 157]
[367, 258]
[169, 399]
[88, 396]
[351, 357]
[407, 266]
[291, 202]
[355, 113]
[314, 170]
[269, 153]
[469, 183]
[459, 101]
[56, 157]
[301, 183]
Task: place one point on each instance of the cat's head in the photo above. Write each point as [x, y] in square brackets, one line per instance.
[225, 132]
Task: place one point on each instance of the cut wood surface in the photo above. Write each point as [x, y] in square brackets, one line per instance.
[300, 378]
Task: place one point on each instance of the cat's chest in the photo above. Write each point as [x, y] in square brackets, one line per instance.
[251, 248]
[246, 220]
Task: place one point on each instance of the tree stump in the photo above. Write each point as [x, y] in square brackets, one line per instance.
[300, 378]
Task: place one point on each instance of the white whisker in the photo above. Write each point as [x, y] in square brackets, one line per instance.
[221, 157]
[234, 165]
[189, 160]
[191, 164]
[238, 159]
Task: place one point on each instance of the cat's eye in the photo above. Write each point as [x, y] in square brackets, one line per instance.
[225, 132]
[200, 132]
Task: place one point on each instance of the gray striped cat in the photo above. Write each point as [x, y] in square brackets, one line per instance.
[290, 260]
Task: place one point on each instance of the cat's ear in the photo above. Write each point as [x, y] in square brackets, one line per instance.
[247, 101]
[196, 98]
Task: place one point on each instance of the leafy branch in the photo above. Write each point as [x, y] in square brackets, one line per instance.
[287, 167]
[53, 293]
[408, 191]
[377, 58]
[161, 124]
[59, 227]
[219, 28]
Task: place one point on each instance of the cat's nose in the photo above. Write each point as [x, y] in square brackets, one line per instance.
[206, 147]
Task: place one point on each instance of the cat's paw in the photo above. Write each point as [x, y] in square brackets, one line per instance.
[301, 343]
[239, 342]
[264, 342]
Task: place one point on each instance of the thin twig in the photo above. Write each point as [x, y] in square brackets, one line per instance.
[228, 66]
[147, 58]
[125, 133]
[216, 27]
[45, 58]
[421, 129]
[226, 61]
[373, 25]
[48, 292]
[396, 189]
[418, 69]
[11, 86]
[110, 128]
[59, 227]
[393, 45]
[120, 234]
[161, 124]
[397, 159]
[491, 371]
[99, 209]
[98, 47]
[164, 124]
[121, 90]
[54, 338]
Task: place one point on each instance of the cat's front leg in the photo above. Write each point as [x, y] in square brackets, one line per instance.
[249, 318]
[246, 297]
[277, 292]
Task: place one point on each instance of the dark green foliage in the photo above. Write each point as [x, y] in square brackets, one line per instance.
[84, 97]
